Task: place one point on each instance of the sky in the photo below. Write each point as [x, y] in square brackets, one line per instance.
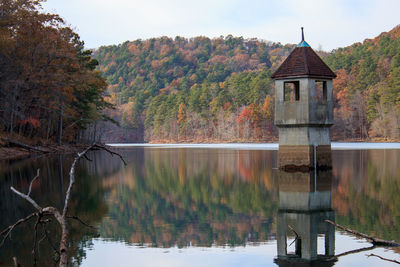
[327, 24]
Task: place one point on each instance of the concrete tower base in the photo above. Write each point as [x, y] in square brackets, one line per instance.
[304, 157]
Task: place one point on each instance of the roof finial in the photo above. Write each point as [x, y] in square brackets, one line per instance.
[303, 43]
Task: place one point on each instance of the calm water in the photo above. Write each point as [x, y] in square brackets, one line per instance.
[206, 206]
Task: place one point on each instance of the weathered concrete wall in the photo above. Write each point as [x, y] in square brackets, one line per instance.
[304, 123]
[300, 155]
[303, 136]
[306, 111]
[305, 201]
[295, 112]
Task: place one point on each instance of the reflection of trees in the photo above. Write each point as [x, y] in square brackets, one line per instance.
[199, 197]
[366, 195]
[167, 197]
[87, 203]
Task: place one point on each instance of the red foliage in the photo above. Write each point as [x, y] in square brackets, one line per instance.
[244, 116]
[32, 121]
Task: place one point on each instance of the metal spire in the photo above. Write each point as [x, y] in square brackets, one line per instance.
[303, 43]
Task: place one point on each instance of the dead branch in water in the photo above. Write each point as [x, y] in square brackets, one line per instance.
[12, 143]
[82, 222]
[373, 240]
[61, 217]
[355, 251]
[382, 258]
[6, 232]
[297, 236]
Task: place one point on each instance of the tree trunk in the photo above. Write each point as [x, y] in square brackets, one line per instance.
[94, 132]
[64, 244]
[48, 128]
[60, 124]
[11, 122]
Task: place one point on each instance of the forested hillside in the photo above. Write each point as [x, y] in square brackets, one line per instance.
[203, 89]
[49, 88]
[367, 89]
[193, 89]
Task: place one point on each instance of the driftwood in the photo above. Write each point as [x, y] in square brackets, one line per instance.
[375, 241]
[382, 258]
[22, 145]
[355, 251]
[60, 216]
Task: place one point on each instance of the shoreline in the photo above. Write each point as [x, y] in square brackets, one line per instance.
[257, 146]
[18, 153]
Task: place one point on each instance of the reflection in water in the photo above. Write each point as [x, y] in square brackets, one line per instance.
[87, 203]
[192, 197]
[304, 205]
[208, 197]
[365, 191]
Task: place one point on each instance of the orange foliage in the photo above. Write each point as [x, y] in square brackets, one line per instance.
[181, 113]
[218, 59]
[251, 114]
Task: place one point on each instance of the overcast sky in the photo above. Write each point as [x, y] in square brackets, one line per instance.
[328, 24]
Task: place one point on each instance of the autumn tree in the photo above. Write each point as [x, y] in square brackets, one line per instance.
[49, 83]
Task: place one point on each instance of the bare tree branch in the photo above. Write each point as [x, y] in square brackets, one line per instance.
[72, 170]
[82, 222]
[355, 251]
[101, 147]
[30, 185]
[51, 242]
[373, 240]
[60, 217]
[35, 239]
[297, 236]
[382, 258]
[72, 176]
[9, 229]
[27, 198]
[87, 158]
[15, 261]
[43, 237]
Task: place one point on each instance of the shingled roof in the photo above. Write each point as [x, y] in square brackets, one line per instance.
[303, 62]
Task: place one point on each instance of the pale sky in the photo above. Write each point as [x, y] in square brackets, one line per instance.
[327, 24]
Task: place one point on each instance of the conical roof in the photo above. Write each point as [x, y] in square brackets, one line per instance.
[303, 62]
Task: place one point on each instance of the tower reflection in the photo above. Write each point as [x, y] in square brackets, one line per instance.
[304, 205]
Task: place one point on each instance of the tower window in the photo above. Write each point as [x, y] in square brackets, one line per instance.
[321, 91]
[291, 91]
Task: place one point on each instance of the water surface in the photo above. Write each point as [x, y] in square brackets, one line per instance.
[200, 205]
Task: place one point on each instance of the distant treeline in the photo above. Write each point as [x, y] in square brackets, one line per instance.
[197, 89]
[193, 89]
[367, 89]
[49, 88]
[202, 89]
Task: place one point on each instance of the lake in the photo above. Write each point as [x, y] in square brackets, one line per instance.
[208, 205]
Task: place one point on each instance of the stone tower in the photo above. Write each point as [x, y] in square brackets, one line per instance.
[303, 109]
